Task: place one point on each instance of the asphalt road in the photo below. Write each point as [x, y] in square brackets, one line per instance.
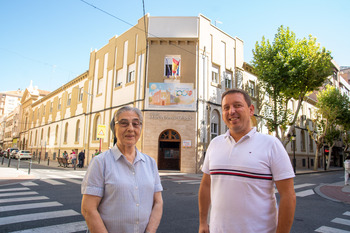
[60, 208]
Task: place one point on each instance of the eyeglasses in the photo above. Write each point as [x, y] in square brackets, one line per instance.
[125, 123]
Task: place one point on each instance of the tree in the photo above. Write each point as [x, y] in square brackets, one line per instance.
[331, 136]
[330, 107]
[289, 68]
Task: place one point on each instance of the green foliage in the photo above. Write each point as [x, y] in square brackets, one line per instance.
[333, 106]
[289, 68]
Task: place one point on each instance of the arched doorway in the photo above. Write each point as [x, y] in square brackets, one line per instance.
[169, 156]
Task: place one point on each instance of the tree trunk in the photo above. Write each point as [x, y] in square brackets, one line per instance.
[329, 155]
[318, 148]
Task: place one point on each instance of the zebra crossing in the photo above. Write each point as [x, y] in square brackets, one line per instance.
[20, 206]
[339, 225]
[300, 190]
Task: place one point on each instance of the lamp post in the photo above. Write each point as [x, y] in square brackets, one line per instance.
[294, 160]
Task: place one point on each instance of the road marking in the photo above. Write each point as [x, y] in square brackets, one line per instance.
[17, 194]
[298, 186]
[68, 227]
[195, 182]
[305, 193]
[347, 213]
[37, 216]
[325, 229]
[74, 181]
[14, 189]
[184, 181]
[341, 221]
[52, 182]
[29, 206]
[23, 199]
[29, 184]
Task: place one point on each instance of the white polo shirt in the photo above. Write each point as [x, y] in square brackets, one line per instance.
[242, 182]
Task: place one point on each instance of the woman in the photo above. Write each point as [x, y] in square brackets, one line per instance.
[73, 158]
[121, 189]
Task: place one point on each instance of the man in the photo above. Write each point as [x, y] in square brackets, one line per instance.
[81, 158]
[239, 173]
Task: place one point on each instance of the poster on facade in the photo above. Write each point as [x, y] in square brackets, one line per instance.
[169, 96]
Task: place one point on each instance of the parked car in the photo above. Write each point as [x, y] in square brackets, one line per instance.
[23, 154]
[11, 152]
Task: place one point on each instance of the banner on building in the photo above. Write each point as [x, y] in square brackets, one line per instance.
[170, 96]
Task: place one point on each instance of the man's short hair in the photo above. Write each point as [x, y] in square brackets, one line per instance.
[247, 98]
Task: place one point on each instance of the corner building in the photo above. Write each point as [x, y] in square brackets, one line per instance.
[175, 71]
[172, 68]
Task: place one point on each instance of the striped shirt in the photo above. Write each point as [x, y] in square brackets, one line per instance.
[126, 189]
[242, 182]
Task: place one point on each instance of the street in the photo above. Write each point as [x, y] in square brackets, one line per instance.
[52, 203]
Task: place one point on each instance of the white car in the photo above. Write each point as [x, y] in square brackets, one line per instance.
[23, 154]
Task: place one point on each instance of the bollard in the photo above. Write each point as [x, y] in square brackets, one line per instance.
[48, 161]
[39, 160]
[2, 162]
[9, 162]
[30, 167]
[19, 163]
[75, 166]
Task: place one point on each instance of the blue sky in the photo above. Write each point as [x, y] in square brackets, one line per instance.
[49, 41]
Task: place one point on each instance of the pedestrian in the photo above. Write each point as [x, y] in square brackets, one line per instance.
[347, 169]
[240, 170]
[122, 189]
[73, 158]
[65, 155]
[81, 158]
[96, 152]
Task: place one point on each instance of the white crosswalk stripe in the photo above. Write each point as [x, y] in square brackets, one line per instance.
[67, 227]
[52, 182]
[29, 206]
[34, 198]
[30, 183]
[14, 200]
[37, 216]
[325, 229]
[17, 194]
[343, 222]
[13, 189]
[305, 193]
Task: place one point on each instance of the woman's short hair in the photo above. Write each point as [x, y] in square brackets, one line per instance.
[120, 111]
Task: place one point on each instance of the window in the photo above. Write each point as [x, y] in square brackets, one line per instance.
[213, 130]
[172, 66]
[56, 134]
[77, 131]
[228, 80]
[239, 79]
[51, 107]
[65, 133]
[215, 74]
[311, 144]
[81, 94]
[48, 136]
[131, 76]
[214, 125]
[59, 104]
[118, 78]
[44, 107]
[96, 123]
[302, 140]
[100, 86]
[36, 138]
[69, 99]
[251, 88]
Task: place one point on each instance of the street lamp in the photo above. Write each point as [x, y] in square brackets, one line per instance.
[294, 160]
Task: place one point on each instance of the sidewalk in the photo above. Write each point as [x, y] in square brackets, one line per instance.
[335, 192]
